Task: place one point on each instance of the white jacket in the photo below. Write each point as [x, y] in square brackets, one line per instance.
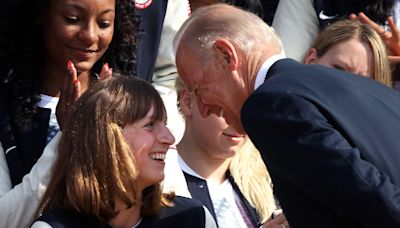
[18, 204]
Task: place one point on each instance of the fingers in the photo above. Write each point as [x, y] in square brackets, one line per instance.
[277, 222]
[395, 37]
[353, 17]
[106, 72]
[77, 90]
[392, 25]
[365, 19]
[280, 218]
[375, 26]
[394, 59]
[70, 92]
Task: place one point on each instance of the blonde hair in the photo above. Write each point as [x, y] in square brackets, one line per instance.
[345, 30]
[95, 164]
[249, 172]
[251, 175]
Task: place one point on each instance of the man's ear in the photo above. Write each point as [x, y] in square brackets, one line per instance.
[311, 56]
[226, 54]
[185, 103]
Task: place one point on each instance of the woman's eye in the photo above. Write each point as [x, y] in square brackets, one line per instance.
[71, 19]
[104, 24]
[149, 126]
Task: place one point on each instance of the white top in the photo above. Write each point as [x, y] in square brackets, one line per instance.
[262, 72]
[18, 205]
[48, 102]
[297, 24]
[165, 71]
[224, 200]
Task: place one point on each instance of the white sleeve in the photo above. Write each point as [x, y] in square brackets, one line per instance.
[210, 222]
[165, 72]
[297, 24]
[174, 179]
[5, 181]
[18, 205]
[41, 224]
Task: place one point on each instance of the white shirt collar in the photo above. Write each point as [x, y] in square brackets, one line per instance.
[187, 169]
[262, 73]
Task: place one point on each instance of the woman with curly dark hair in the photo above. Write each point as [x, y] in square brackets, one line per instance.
[46, 45]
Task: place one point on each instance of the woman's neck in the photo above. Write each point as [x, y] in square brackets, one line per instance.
[126, 217]
[210, 168]
[53, 78]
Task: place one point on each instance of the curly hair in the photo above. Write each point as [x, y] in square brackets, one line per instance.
[22, 54]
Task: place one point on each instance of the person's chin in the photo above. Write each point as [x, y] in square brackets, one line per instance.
[83, 66]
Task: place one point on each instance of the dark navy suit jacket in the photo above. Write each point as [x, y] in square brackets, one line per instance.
[184, 213]
[331, 141]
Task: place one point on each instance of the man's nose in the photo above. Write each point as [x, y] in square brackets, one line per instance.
[207, 110]
[203, 108]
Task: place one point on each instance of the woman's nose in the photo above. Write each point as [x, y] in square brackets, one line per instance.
[88, 34]
[166, 136]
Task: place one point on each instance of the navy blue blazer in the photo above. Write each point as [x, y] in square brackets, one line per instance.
[151, 24]
[331, 142]
[184, 213]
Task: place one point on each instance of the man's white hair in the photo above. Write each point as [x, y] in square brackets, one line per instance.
[244, 29]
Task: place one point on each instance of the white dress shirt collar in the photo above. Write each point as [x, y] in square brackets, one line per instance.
[262, 73]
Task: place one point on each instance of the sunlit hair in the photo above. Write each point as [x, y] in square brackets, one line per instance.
[95, 165]
[244, 29]
[249, 172]
[345, 30]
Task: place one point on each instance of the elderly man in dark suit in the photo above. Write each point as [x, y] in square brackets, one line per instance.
[330, 139]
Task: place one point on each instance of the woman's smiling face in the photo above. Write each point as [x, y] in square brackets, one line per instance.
[79, 31]
[149, 140]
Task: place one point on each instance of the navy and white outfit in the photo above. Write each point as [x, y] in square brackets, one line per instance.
[225, 201]
[24, 167]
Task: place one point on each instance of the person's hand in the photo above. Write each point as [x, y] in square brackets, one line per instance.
[390, 38]
[277, 222]
[106, 72]
[70, 92]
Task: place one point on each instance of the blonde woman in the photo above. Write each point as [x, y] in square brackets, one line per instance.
[354, 47]
[222, 169]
